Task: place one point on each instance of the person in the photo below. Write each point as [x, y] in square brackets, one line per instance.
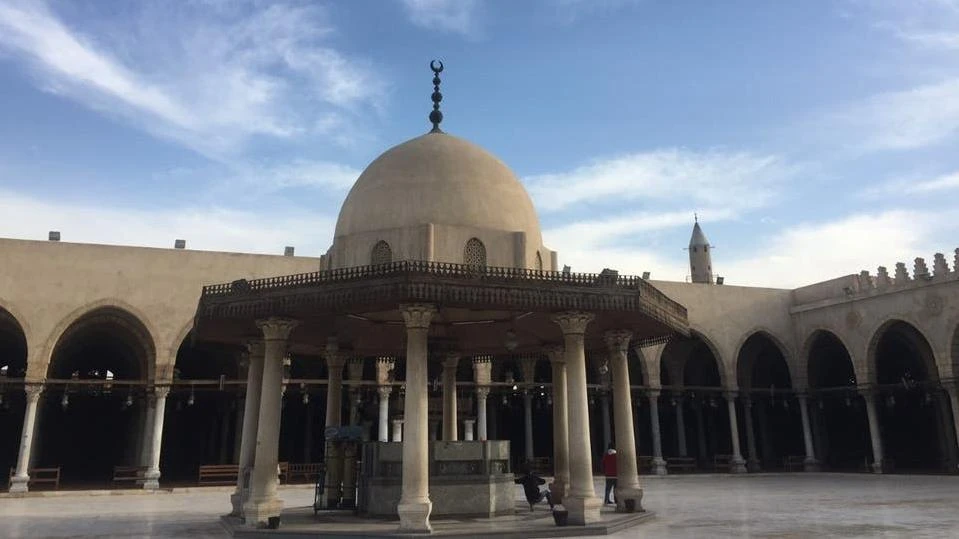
[531, 483]
[609, 470]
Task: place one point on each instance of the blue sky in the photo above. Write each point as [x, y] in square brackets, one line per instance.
[813, 138]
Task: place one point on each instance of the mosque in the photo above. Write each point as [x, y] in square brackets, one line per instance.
[438, 316]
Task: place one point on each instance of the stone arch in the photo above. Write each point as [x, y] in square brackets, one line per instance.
[802, 362]
[138, 337]
[381, 253]
[636, 363]
[149, 333]
[474, 253]
[14, 346]
[684, 347]
[839, 350]
[748, 352]
[915, 337]
[13, 364]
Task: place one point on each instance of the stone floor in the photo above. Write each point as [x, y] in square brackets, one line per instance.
[714, 506]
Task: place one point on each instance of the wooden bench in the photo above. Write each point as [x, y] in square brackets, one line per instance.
[687, 464]
[308, 472]
[794, 463]
[128, 475]
[41, 476]
[722, 462]
[218, 474]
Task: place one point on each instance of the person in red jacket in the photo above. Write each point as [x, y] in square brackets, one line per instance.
[609, 470]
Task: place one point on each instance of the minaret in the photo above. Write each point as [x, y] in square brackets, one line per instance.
[700, 261]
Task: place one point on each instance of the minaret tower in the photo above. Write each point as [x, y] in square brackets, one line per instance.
[700, 259]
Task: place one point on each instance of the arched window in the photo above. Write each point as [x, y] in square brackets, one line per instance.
[539, 261]
[382, 254]
[475, 253]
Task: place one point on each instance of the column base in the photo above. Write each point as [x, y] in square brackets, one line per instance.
[659, 467]
[19, 484]
[737, 465]
[623, 494]
[810, 465]
[582, 511]
[752, 465]
[237, 500]
[415, 516]
[257, 513]
[876, 467]
[151, 480]
[558, 489]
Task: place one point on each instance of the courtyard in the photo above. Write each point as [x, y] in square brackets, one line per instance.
[758, 505]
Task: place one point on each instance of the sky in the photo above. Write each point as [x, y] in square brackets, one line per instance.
[813, 139]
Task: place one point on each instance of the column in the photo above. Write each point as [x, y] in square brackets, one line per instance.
[414, 507]
[355, 369]
[700, 430]
[681, 426]
[604, 409]
[263, 502]
[225, 433]
[627, 470]
[152, 475]
[383, 432]
[449, 397]
[752, 463]
[143, 459]
[869, 395]
[397, 430]
[659, 464]
[737, 464]
[560, 485]
[468, 426]
[238, 428]
[767, 446]
[21, 478]
[434, 429]
[953, 391]
[810, 464]
[333, 456]
[251, 419]
[481, 394]
[528, 423]
[581, 500]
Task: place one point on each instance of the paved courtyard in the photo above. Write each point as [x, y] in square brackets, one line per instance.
[780, 506]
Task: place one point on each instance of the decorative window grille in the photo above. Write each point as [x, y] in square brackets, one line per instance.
[382, 254]
[475, 253]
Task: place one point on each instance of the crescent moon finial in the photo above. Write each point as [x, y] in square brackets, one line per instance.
[436, 116]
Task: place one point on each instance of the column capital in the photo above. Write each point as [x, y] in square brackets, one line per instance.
[573, 322]
[161, 392]
[355, 368]
[556, 353]
[33, 390]
[654, 393]
[451, 360]
[276, 329]
[617, 340]
[417, 315]
[384, 391]
[254, 348]
[482, 392]
[528, 366]
[730, 393]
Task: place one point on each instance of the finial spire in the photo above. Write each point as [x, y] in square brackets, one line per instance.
[695, 217]
[436, 116]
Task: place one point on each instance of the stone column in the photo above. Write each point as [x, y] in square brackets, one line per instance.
[767, 448]
[681, 427]
[449, 397]
[333, 456]
[143, 459]
[700, 430]
[528, 424]
[355, 369]
[414, 506]
[560, 485]
[869, 395]
[397, 430]
[468, 426]
[810, 464]
[604, 410]
[482, 375]
[225, 433]
[251, 419]
[659, 464]
[238, 429]
[434, 429]
[383, 432]
[308, 432]
[263, 501]
[152, 475]
[21, 478]
[953, 391]
[752, 463]
[581, 500]
[737, 464]
[627, 470]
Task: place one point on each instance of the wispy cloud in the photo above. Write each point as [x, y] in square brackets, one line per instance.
[208, 76]
[204, 227]
[455, 16]
[915, 185]
[731, 179]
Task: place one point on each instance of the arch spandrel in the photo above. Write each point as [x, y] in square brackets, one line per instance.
[135, 315]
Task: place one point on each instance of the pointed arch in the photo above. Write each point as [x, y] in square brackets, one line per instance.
[761, 361]
[911, 339]
[381, 253]
[474, 253]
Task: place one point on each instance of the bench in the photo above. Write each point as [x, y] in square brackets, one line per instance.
[128, 474]
[687, 464]
[722, 462]
[307, 472]
[41, 476]
[218, 474]
[793, 463]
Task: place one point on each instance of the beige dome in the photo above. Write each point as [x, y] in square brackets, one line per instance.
[440, 179]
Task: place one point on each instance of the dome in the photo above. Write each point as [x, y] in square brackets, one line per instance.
[440, 179]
